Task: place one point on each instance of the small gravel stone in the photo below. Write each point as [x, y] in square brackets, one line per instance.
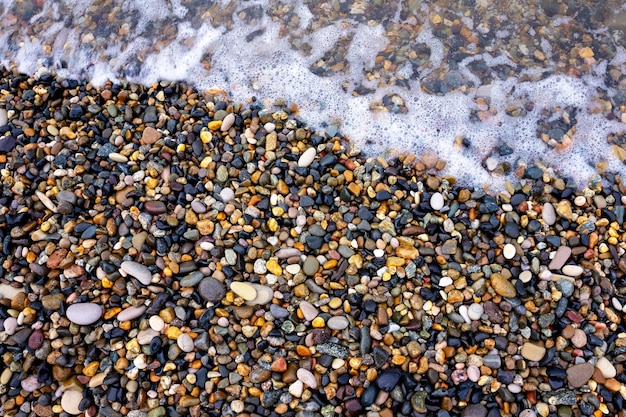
[533, 352]
[185, 342]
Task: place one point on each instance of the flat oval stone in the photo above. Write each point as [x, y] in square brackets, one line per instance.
[525, 276]
[211, 290]
[137, 270]
[70, 400]
[131, 313]
[155, 207]
[509, 251]
[337, 322]
[573, 270]
[503, 286]
[307, 158]
[264, 295]
[227, 195]
[311, 265]
[548, 214]
[307, 378]
[84, 314]
[533, 352]
[243, 290]
[436, 201]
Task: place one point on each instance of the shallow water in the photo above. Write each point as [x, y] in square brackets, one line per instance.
[489, 86]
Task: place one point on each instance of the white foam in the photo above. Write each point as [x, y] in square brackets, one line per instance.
[268, 67]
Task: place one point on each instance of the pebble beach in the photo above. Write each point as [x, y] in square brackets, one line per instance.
[172, 252]
[385, 208]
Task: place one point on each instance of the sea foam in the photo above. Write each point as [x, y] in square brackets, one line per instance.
[249, 56]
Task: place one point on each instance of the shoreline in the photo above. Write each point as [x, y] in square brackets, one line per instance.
[241, 264]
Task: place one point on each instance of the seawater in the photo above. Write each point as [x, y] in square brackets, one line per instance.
[271, 50]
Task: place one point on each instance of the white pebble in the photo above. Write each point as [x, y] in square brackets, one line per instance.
[307, 158]
[509, 251]
[156, 323]
[84, 313]
[436, 201]
[525, 276]
[475, 311]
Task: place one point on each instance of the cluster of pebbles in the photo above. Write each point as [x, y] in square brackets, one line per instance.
[170, 252]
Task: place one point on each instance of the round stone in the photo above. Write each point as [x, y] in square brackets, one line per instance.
[185, 342]
[509, 251]
[548, 214]
[156, 323]
[84, 314]
[475, 311]
[311, 265]
[525, 276]
[579, 375]
[436, 201]
[533, 352]
[211, 290]
[337, 323]
[70, 401]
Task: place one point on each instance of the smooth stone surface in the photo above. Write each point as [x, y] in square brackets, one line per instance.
[9, 292]
[70, 401]
[185, 342]
[579, 338]
[533, 352]
[606, 368]
[307, 157]
[264, 295]
[475, 311]
[572, 270]
[243, 290]
[548, 214]
[337, 322]
[309, 311]
[307, 378]
[509, 251]
[579, 375]
[503, 286]
[131, 313]
[562, 255]
[137, 270]
[211, 289]
[436, 201]
[310, 266]
[84, 314]
[227, 195]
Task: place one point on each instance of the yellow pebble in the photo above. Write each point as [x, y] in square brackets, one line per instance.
[586, 52]
[386, 276]
[181, 147]
[133, 346]
[106, 283]
[318, 322]
[173, 332]
[330, 264]
[272, 224]
[278, 211]
[152, 183]
[612, 240]
[395, 261]
[334, 302]
[215, 125]
[273, 267]
[91, 369]
[205, 162]
[205, 136]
